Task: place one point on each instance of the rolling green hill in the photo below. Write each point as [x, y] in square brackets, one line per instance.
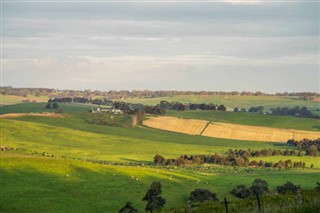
[51, 165]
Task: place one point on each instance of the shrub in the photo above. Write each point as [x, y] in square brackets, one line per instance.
[241, 191]
[287, 188]
[201, 195]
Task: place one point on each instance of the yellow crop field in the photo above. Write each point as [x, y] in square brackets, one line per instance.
[187, 126]
[228, 130]
[256, 133]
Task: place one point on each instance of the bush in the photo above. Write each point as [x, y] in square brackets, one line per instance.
[128, 208]
[201, 195]
[287, 188]
[318, 186]
[259, 187]
[241, 191]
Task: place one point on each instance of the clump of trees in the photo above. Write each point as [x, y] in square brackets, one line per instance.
[201, 195]
[258, 109]
[153, 198]
[296, 111]
[311, 147]
[175, 105]
[234, 158]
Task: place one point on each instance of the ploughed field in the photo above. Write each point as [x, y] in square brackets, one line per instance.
[227, 130]
[68, 164]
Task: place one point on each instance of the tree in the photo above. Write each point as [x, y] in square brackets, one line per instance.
[259, 187]
[201, 195]
[55, 105]
[159, 160]
[241, 191]
[155, 201]
[312, 151]
[128, 208]
[287, 188]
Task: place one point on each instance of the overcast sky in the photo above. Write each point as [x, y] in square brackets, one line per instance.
[270, 46]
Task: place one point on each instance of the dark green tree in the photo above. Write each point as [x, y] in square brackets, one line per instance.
[128, 208]
[155, 201]
[288, 187]
[201, 195]
[259, 187]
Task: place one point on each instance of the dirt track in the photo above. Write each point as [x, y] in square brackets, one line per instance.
[227, 130]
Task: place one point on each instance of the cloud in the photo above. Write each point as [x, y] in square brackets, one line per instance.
[138, 45]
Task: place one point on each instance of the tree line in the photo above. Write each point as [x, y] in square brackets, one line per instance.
[114, 94]
[230, 160]
[175, 105]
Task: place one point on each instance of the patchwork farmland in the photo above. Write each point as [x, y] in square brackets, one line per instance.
[99, 166]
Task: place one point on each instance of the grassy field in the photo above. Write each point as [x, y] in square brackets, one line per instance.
[234, 101]
[61, 185]
[12, 99]
[254, 119]
[68, 183]
[40, 107]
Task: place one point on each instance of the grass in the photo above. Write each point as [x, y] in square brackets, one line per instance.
[12, 99]
[33, 183]
[61, 185]
[40, 107]
[247, 118]
[74, 136]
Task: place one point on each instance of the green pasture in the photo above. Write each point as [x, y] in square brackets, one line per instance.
[246, 118]
[74, 136]
[11, 99]
[41, 107]
[66, 182]
[38, 184]
[233, 101]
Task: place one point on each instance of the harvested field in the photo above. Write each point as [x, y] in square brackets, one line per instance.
[13, 115]
[256, 133]
[228, 130]
[187, 126]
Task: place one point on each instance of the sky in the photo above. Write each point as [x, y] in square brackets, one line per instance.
[221, 45]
